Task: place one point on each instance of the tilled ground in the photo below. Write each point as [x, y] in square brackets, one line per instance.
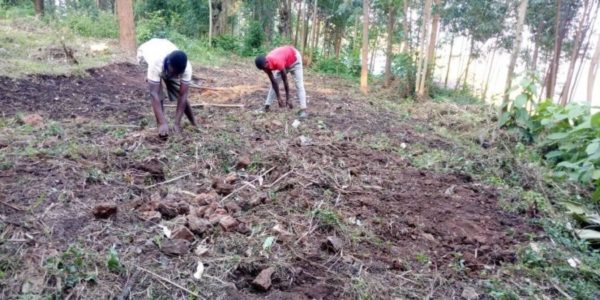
[329, 207]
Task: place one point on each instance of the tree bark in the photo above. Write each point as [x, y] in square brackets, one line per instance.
[284, 19]
[39, 8]
[515, 52]
[210, 23]
[406, 27]
[576, 47]
[435, 23]
[422, 61]
[593, 71]
[536, 47]
[364, 72]
[449, 62]
[374, 51]
[390, 43]
[126, 26]
[469, 59]
[298, 23]
[313, 31]
[487, 80]
[306, 28]
[558, 33]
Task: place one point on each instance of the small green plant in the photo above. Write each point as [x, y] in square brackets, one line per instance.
[112, 261]
[422, 258]
[516, 114]
[73, 267]
[328, 218]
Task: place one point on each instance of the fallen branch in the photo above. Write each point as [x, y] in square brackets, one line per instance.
[245, 185]
[168, 181]
[279, 179]
[171, 282]
[12, 206]
[128, 286]
[210, 104]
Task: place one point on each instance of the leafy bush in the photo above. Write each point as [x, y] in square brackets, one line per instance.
[460, 96]
[154, 25]
[331, 66]
[100, 24]
[227, 42]
[516, 114]
[253, 42]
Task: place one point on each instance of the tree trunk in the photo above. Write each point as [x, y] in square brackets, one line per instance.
[558, 33]
[298, 23]
[364, 72]
[449, 62]
[536, 47]
[390, 44]
[39, 8]
[487, 80]
[284, 19]
[315, 27]
[305, 30]
[515, 52]
[430, 67]
[374, 51]
[576, 47]
[406, 27]
[593, 71]
[210, 23]
[126, 26]
[338, 41]
[422, 60]
[468, 64]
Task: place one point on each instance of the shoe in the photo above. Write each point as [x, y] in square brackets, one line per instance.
[263, 110]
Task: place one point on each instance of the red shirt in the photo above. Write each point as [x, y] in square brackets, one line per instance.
[281, 58]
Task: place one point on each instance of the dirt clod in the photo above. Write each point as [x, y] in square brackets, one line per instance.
[243, 162]
[175, 247]
[469, 293]
[221, 187]
[183, 233]
[333, 244]
[206, 198]
[150, 216]
[197, 225]
[228, 223]
[168, 210]
[104, 210]
[232, 207]
[34, 120]
[263, 280]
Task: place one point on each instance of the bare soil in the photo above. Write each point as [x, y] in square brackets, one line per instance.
[402, 231]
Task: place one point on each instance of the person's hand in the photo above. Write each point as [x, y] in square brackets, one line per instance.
[163, 130]
[177, 128]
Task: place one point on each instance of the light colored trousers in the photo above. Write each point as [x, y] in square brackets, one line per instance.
[296, 70]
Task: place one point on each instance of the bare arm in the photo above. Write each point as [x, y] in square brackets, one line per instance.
[275, 86]
[181, 104]
[154, 89]
[287, 89]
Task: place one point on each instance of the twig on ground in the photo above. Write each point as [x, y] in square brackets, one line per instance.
[245, 185]
[12, 206]
[168, 181]
[197, 295]
[278, 179]
[211, 104]
[129, 285]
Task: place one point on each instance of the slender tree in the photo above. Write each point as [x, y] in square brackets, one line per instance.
[364, 72]
[39, 8]
[392, 9]
[593, 71]
[576, 47]
[210, 23]
[422, 58]
[435, 23]
[515, 52]
[126, 26]
[449, 61]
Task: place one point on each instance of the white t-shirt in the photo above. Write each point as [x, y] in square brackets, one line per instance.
[154, 52]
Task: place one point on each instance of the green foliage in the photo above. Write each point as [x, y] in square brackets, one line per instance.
[463, 95]
[253, 43]
[73, 266]
[154, 25]
[331, 66]
[516, 114]
[113, 263]
[99, 25]
[227, 43]
[570, 141]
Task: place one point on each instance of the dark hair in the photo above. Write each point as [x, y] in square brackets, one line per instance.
[177, 60]
[261, 62]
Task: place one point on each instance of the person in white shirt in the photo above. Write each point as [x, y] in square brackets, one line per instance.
[170, 65]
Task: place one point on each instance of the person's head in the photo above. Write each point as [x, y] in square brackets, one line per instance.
[261, 62]
[175, 63]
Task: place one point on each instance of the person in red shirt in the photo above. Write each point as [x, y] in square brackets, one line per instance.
[277, 64]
